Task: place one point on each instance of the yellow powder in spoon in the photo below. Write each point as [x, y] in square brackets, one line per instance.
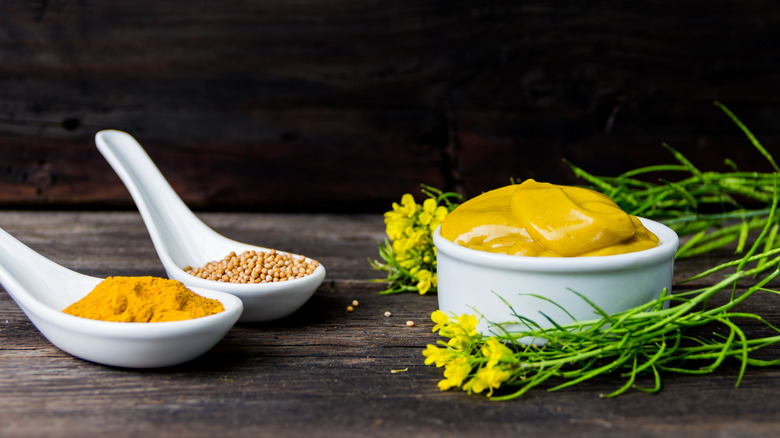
[143, 299]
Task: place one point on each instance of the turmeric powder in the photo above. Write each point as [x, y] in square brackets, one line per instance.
[143, 299]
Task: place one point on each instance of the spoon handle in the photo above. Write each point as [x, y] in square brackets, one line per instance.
[174, 229]
[29, 277]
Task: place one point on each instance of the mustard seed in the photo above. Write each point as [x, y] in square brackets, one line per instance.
[255, 267]
[410, 323]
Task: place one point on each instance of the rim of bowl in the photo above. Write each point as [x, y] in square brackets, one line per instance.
[669, 242]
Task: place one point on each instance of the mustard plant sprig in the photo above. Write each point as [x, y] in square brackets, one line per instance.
[714, 208]
[630, 345]
[408, 254]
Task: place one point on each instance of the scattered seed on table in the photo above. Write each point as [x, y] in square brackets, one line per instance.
[255, 267]
[410, 323]
[355, 303]
[388, 314]
[350, 308]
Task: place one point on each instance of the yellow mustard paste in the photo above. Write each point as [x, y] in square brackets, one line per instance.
[546, 220]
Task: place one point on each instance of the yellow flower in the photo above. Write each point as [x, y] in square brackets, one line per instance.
[440, 318]
[404, 245]
[455, 372]
[408, 207]
[461, 333]
[425, 279]
[432, 353]
[399, 248]
[440, 213]
[468, 323]
[428, 208]
[395, 225]
[495, 352]
[438, 216]
[415, 237]
[487, 378]
[439, 356]
[401, 217]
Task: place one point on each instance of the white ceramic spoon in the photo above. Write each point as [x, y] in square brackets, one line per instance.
[42, 289]
[181, 239]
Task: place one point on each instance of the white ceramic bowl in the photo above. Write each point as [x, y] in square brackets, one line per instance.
[471, 281]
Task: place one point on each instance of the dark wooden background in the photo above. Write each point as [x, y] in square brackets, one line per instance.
[344, 105]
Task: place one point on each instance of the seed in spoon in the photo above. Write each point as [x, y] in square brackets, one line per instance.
[255, 267]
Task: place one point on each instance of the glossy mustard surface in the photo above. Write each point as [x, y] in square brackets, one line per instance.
[546, 220]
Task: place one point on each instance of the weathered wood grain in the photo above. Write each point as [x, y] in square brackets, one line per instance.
[322, 371]
[343, 105]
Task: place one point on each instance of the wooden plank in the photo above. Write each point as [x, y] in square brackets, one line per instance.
[269, 106]
[322, 371]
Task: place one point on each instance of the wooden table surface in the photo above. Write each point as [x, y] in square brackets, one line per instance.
[322, 371]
